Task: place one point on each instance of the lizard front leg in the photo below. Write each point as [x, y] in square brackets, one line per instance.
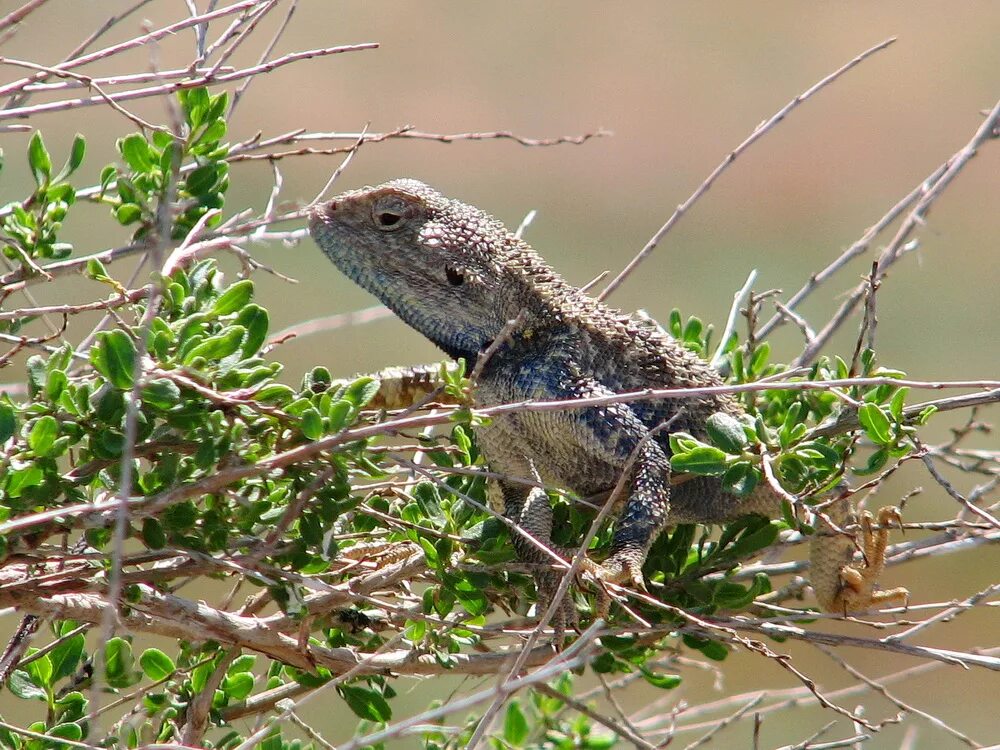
[600, 448]
[402, 387]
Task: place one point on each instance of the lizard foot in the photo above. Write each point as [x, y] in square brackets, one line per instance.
[623, 567]
[857, 589]
[565, 616]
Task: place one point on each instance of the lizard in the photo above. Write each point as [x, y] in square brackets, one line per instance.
[459, 277]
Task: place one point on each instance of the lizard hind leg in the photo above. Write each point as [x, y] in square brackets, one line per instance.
[843, 586]
[533, 515]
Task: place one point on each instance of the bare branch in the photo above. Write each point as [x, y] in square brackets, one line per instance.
[759, 131]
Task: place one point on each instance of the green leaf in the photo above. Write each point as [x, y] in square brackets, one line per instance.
[234, 298]
[66, 656]
[114, 357]
[704, 460]
[118, 662]
[662, 681]
[338, 414]
[238, 686]
[67, 731]
[37, 375]
[180, 516]
[108, 175]
[40, 669]
[213, 133]
[96, 270]
[43, 434]
[135, 151]
[427, 497]
[254, 319]
[277, 393]
[741, 478]
[876, 424]
[39, 159]
[76, 154]
[757, 540]
[202, 180]
[726, 432]
[153, 534]
[732, 595]
[218, 105]
[195, 103]
[682, 442]
[8, 422]
[366, 703]
[712, 649]
[22, 686]
[128, 213]
[312, 424]
[876, 461]
[759, 359]
[162, 393]
[242, 663]
[156, 664]
[830, 458]
[515, 725]
[200, 675]
[18, 481]
[896, 405]
[218, 347]
[55, 384]
[362, 390]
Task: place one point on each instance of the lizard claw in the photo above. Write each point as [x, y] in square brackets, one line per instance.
[857, 583]
[623, 568]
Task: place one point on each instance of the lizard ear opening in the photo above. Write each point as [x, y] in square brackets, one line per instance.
[455, 276]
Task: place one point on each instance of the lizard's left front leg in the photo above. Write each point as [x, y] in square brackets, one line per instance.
[603, 447]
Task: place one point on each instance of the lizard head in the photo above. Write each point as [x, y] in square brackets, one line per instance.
[447, 269]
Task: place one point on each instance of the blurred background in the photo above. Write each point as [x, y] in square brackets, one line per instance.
[679, 86]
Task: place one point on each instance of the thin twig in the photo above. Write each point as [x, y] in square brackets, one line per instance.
[759, 131]
[914, 219]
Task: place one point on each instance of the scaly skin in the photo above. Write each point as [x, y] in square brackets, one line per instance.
[459, 277]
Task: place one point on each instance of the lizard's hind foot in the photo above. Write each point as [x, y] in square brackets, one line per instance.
[856, 589]
[565, 617]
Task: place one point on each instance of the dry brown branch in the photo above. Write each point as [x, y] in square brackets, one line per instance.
[856, 249]
[17, 15]
[169, 88]
[139, 41]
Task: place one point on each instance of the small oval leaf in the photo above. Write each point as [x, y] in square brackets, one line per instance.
[114, 357]
[876, 424]
[156, 664]
[704, 460]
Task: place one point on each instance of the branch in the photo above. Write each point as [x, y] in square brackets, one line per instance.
[915, 218]
[758, 132]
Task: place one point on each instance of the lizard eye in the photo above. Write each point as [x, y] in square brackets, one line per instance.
[388, 219]
[455, 277]
[389, 213]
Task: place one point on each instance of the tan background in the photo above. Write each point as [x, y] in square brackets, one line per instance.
[679, 85]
